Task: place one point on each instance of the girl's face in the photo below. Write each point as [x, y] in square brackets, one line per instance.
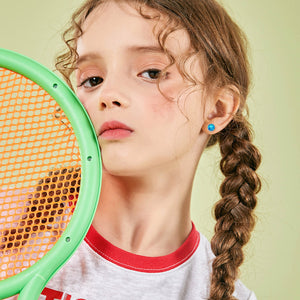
[138, 128]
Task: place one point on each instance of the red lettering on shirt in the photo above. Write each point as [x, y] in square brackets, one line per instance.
[52, 294]
[57, 295]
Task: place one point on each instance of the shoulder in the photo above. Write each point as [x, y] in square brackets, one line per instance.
[204, 253]
[242, 292]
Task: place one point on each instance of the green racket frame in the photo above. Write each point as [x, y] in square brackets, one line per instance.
[30, 283]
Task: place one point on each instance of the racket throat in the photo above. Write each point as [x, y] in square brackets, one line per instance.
[33, 288]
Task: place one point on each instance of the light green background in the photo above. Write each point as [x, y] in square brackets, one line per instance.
[271, 269]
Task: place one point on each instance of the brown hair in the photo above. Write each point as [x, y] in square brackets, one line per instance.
[222, 46]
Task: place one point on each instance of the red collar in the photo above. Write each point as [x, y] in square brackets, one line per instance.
[143, 263]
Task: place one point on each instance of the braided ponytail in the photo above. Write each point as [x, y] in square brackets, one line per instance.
[234, 212]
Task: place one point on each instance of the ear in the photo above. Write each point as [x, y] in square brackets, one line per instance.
[225, 104]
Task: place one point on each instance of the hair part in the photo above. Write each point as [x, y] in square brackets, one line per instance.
[221, 47]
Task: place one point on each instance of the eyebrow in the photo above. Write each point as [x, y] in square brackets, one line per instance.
[139, 49]
[87, 57]
[153, 49]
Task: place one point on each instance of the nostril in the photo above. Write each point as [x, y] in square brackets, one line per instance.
[103, 105]
[117, 103]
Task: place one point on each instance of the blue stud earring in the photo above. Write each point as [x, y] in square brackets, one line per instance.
[211, 127]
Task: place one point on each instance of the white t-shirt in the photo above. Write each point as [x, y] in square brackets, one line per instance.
[99, 270]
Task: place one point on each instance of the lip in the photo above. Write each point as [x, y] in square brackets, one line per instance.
[114, 130]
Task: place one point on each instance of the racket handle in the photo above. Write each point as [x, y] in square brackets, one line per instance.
[33, 288]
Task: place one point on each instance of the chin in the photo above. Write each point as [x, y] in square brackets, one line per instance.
[116, 171]
[118, 167]
[119, 163]
[125, 168]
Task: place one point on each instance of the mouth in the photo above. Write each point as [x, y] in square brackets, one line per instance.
[114, 130]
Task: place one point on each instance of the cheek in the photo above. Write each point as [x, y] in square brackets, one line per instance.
[82, 97]
[191, 105]
[162, 110]
[153, 106]
[184, 112]
[172, 89]
[165, 103]
[88, 102]
[91, 106]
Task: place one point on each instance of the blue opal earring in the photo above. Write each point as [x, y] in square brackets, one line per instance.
[211, 127]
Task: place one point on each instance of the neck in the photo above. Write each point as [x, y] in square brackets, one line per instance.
[147, 215]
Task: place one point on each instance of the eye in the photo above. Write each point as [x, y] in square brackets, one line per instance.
[151, 74]
[91, 82]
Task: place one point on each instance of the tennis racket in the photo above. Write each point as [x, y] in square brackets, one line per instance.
[50, 175]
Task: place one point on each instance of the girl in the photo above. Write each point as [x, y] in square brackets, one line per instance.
[161, 80]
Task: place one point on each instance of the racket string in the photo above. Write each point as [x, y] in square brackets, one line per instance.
[39, 172]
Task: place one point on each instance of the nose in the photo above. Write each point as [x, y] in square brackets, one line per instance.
[107, 102]
[113, 94]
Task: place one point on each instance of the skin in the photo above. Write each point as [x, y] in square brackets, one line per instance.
[144, 204]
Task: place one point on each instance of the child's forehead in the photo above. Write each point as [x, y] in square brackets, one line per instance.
[135, 8]
[127, 12]
[141, 24]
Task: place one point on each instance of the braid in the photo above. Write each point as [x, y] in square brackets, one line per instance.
[234, 212]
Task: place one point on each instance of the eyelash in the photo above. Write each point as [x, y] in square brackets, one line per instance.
[156, 71]
[93, 81]
[89, 80]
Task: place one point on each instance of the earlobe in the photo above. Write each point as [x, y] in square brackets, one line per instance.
[226, 104]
